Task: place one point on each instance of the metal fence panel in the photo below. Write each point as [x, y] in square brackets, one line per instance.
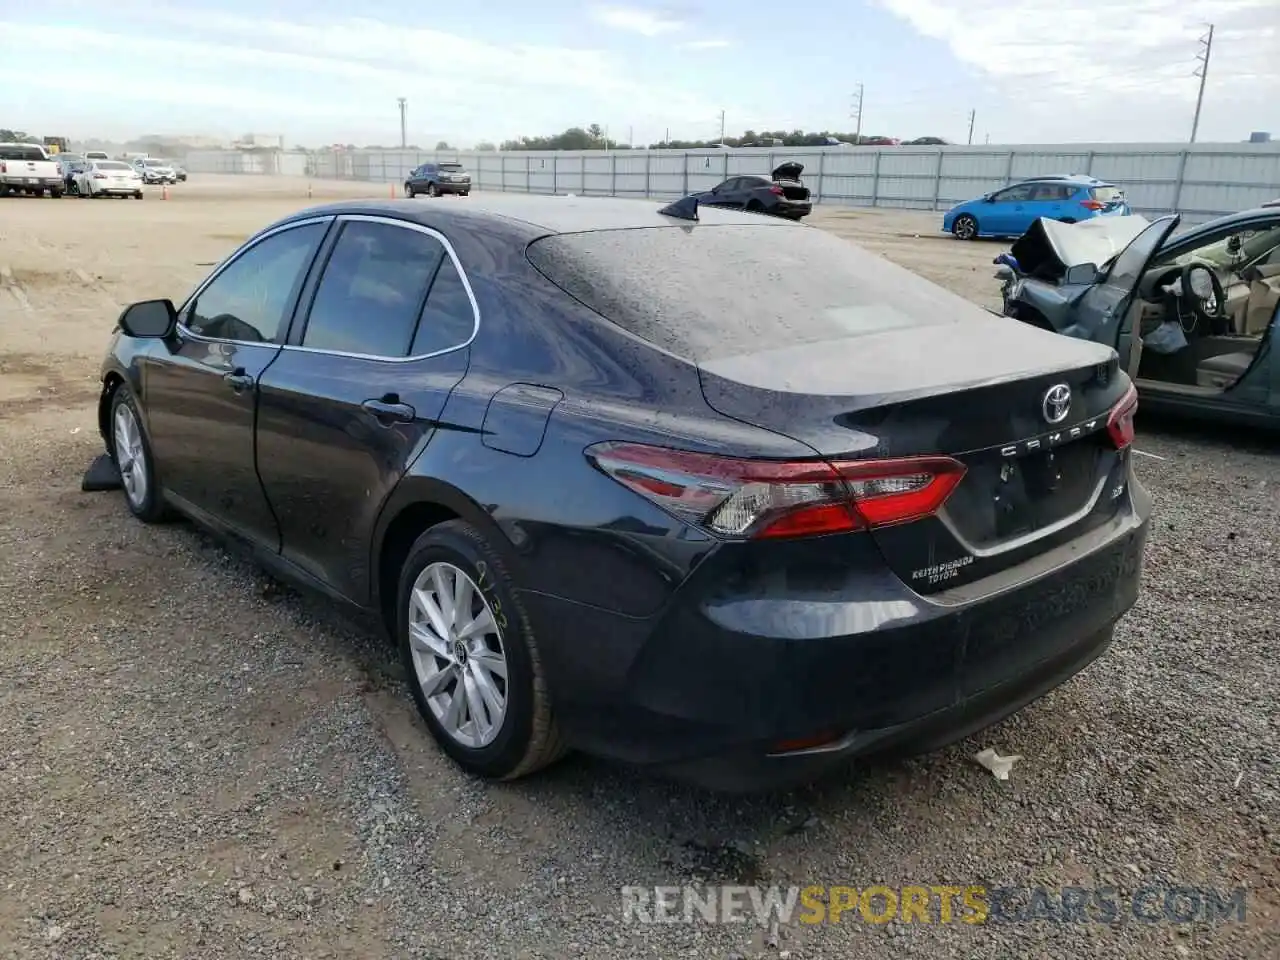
[1199, 180]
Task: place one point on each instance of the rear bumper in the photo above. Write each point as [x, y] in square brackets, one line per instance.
[453, 187]
[30, 183]
[833, 653]
[795, 209]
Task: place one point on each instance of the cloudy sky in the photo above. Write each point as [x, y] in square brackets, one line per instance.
[320, 71]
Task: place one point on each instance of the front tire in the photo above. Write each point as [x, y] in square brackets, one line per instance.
[138, 195]
[131, 451]
[471, 658]
[965, 227]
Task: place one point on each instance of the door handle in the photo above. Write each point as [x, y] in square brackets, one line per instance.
[237, 379]
[389, 410]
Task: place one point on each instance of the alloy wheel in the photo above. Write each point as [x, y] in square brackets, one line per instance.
[131, 458]
[965, 228]
[458, 655]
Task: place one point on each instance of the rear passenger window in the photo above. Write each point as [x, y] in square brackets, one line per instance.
[448, 319]
[372, 290]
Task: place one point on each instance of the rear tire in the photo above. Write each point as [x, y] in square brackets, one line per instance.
[516, 733]
[432, 190]
[965, 227]
[409, 191]
[138, 196]
[1067, 220]
[55, 194]
[755, 206]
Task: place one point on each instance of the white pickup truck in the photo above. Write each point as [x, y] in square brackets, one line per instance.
[26, 168]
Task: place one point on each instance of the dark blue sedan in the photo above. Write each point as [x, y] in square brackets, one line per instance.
[714, 493]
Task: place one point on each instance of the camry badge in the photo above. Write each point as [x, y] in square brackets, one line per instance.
[1056, 403]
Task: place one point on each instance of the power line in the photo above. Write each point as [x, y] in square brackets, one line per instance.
[1202, 72]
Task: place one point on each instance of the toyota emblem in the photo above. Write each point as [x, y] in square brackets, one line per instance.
[1056, 403]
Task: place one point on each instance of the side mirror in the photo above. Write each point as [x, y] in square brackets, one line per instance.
[154, 319]
[1082, 274]
[1004, 272]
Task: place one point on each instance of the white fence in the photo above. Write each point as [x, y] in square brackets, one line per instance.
[1200, 181]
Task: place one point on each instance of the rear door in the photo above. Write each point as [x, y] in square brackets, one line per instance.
[357, 392]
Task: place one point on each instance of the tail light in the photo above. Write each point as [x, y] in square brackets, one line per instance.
[768, 499]
[775, 189]
[1120, 423]
[4, 168]
[99, 176]
[1092, 204]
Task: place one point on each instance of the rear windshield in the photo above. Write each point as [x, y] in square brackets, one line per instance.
[1107, 194]
[718, 291]
[111, 165]
[21, 152]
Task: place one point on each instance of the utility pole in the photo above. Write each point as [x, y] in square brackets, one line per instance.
[631, 136]
[857, 116]
[404, 130]
[722, 127]
[1202, 72]
[973, 115]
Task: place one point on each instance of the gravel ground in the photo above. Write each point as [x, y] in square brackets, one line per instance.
[197, 762]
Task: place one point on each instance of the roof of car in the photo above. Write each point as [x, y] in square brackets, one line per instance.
[543, 213]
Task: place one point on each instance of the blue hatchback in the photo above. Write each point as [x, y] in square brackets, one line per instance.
[1011, 211]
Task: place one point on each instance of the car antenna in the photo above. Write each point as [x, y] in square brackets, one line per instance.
[686, 208]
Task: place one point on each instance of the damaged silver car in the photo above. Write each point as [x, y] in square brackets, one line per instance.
[1195, 317]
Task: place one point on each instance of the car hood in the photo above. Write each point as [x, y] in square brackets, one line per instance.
[790, 170]
[1049, 247]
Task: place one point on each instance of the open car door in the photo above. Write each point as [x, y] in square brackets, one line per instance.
[1103, 313]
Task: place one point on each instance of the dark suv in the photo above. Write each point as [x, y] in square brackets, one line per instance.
[433, 179]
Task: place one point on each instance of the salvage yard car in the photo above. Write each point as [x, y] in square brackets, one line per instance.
[786, 505]
[783, 196]
[436, 179]
[107, 178]
[153, 170]
[1011, 212]
[27, 168]
[1205, 305]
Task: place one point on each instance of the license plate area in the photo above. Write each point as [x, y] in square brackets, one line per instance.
[1006, 497]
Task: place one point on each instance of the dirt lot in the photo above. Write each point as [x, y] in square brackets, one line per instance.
[195, 762]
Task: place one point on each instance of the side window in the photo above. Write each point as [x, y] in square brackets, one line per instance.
[448, 319]
[1014, 194]
[428, 169]
[750, 183]
[372, 290]
[247, 301]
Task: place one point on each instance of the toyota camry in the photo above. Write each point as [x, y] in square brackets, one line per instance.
[721, 495]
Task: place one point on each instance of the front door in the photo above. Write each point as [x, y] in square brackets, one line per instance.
[1102, 312]
[201, 386]
[357, 393]
[1006, 214]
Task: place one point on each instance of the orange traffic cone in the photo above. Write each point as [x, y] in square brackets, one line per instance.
[391, 191]
[164, 191]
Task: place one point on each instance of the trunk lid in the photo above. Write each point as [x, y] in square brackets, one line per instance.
[980, 396]
[790, 170]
